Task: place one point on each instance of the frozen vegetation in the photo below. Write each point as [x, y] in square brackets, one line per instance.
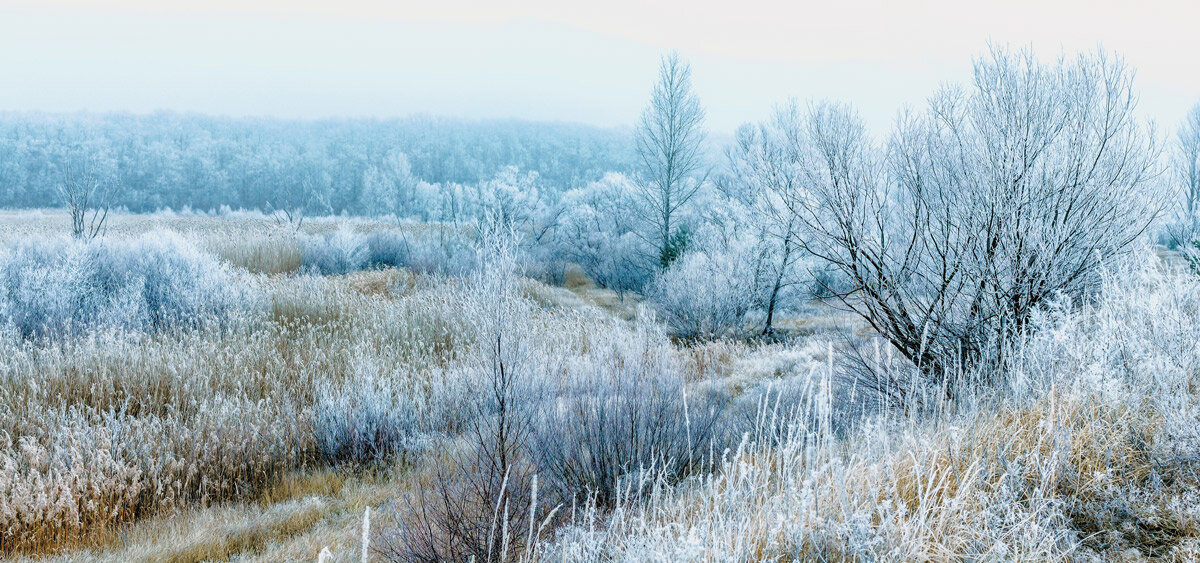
[976, 339]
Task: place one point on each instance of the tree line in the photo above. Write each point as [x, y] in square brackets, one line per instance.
[169, 160]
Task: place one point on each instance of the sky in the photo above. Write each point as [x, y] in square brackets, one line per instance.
[588, 62]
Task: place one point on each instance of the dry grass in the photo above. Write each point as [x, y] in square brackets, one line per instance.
[192, 432]
[109, 428]
[292, 521]
[1087, 455]
[203, 445]
[273, 252]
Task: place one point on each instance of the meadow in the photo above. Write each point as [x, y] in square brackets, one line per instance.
[217, 397]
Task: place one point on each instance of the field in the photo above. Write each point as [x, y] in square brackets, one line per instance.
[258, 409]
[270, 431]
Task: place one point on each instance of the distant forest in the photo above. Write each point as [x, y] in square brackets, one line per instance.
[177, 161]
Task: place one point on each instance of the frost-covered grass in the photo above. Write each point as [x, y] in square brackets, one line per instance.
[111, 426]
[267, 434]
[1089, 452]
[112, 422]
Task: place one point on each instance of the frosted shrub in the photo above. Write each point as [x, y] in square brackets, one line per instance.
[619, 411]
[444, 252]
[340, 252]
[53, 287]
[597, 229]
[1177, 231]
[387, 249]
[475, 504]
[363, 419]
[828, 282]
[703, 295]
[1136, 344]
[615, 263]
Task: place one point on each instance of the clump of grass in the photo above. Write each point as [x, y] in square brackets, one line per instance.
[273, 253]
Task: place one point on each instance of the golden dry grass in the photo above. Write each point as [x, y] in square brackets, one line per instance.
[195, 446]
[104, 430]
[292, 521]
[198, 445]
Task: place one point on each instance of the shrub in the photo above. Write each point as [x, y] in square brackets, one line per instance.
[828, 282]
[53, 288]
[340, 252]
[598, 230]
[387, 249]
[956, 231]
[621, 410]
[445, 252]
[703, 295]
[475, 503]
[364, 419]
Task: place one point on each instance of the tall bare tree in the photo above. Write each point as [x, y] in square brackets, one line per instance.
[1188, 162]
[997, 198]
[670, 139]
[87, 185]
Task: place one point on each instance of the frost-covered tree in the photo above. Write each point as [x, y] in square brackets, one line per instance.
[707, 294]
[669, 140]
[597, 231]
[389, 187]
[87, 184]
[202, 162]
[766, 177]
[510, 196]
[1187, 159]
[997, 197]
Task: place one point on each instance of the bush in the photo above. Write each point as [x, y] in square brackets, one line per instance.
[475, 502]
[53, 288]
[703, 295]
[621, 410]
[597, 229]
[364, 419]
[345, 251]
[828, 282]
[443, 253]
[955, 232]
[340, 252]
[386, 249]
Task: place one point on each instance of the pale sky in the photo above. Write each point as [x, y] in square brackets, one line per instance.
[591, 62]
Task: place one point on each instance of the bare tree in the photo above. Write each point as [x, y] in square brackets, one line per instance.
[302, 197]
[481, 499]
[669, 141]
[765, 175]
[1188, 162]
[997, 198]
[87, 185]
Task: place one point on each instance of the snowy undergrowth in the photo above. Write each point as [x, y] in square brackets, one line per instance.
[55, 288]
[1088, 452]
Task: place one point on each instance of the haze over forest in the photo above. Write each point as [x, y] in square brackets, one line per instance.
[545, 60]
